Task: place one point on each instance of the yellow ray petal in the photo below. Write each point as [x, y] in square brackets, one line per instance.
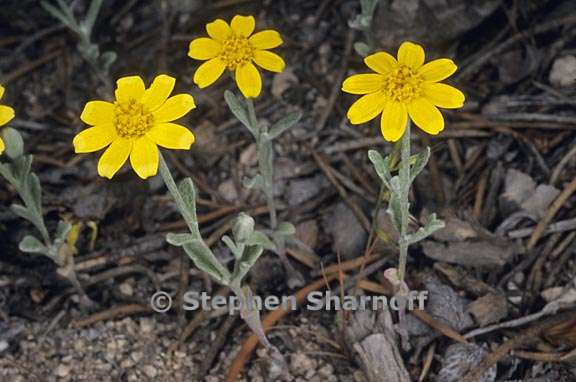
[114, 157]
[219, 30]
[1, 91]
[366, 108]
[362, 83]
[411, 55]
[171, 136]
[94, 138]
[437, 70]
[6, 114]
[144, 158]
[2, 147]
[249, 80]
[129, 88]
[381, 62]
[204, 48]
[175, 107]
[243, 25]
[266, 39]
[393, 121]
[426, 116]
[209, 72]
[158, 92]
[269, 61]
[443, 95]
[97, 113]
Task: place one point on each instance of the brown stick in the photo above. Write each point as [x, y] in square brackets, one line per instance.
[513, 343]
[117, 312]
[558, 203]
[269, 320]
[327, 170]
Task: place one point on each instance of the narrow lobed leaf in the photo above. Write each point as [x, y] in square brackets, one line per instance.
[284, 124]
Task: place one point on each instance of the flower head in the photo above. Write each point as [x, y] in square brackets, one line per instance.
[135, 125]
[236, 48]
[6, 115]
[403, 87]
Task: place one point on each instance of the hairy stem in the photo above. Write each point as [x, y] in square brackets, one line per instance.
[404, 174]
[266, 169]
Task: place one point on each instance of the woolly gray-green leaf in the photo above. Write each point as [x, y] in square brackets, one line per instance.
[431, 225]
[361, 48]
[284, 124]
[243, 228]
[421, 161]
[6, 172]
[232, 246]
[62, 232]
[395, 210]
[255, 183]
[237, 109]
[248, 259]
[178, 239]
[286, 229]
[24, 213]
[63, 15]
[13, 142]
[382, 167]
[204, 259]
[188, 192]
[30, 244]
[259, 238]
[21, 168]
[35, 191]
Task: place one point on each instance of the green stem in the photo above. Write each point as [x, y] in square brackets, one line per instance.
[41, 226]
[252, 114]
[190, 219]
[404, 174]
[267, 174]
[272, 209]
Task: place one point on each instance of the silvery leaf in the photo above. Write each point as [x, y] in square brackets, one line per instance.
[179, 239]
[13, 142]
[255, 183]
[231, 245]
[186, 188]
[286, 229]
[62, 232]
[238, 110]
[30, 244]
[35, 191]
[248, 259]
[284, 124]
[395, 211]
[204, 259]
[243, 228]
[260, 239]
[431, 225]
[419, 164]
[381, 166]
[23, 212]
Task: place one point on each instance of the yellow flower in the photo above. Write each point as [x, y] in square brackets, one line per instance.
[6, 114]
[402, 88]
[235, 48]
[135, 125]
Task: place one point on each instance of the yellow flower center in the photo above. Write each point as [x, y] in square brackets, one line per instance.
[236, 51]
[131, 119]
[402, 84]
